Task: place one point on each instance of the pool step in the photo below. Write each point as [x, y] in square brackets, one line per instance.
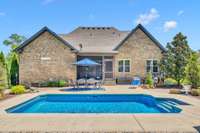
[165, 106]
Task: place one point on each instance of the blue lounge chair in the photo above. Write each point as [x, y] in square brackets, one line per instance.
[136, 82]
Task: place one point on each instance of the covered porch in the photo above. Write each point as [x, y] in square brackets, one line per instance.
[104, 71]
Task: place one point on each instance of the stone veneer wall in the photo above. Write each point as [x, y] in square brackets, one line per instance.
[46, 58]
[138, 48]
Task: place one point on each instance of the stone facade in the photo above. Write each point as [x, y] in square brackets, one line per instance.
[46, 58]
[138, 48]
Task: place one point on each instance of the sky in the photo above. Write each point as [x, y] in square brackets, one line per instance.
[162, 18]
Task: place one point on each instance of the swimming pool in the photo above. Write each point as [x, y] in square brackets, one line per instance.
[95, 103]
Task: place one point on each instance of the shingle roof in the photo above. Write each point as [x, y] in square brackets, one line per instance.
[95, 39]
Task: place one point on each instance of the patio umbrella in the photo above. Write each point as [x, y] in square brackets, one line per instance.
[86, 63]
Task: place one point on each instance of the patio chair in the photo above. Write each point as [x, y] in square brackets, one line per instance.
[92, 81]
[34, 89]
[99, 83]
[136, 82]
[73, 83]
[186, 89]
[31, 88]
[81, 82]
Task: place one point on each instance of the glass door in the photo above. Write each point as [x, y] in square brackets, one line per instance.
[108, 68]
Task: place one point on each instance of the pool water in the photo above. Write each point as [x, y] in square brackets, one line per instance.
[95, 103]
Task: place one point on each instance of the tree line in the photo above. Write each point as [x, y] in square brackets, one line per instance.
[9, 64]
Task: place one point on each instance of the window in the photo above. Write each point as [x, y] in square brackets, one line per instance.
[155, 66]
[148, 65]
[127, 65]
[120, 66]
[152, 66]
[124, 65]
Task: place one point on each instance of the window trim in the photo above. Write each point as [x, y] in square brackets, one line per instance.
[151, 66]
[123, 71]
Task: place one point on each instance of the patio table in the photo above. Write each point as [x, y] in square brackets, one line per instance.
[86, 83]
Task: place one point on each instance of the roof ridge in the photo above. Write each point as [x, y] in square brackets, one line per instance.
[97, 28]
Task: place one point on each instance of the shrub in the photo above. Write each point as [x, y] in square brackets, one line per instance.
[52, 83]
[185, 82]
[18, 89]
[149, 80]
[175, 91]
[170, 81]
[62, 83]
[195, 92]
[59, 83]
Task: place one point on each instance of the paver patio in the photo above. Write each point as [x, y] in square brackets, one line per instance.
[182, 122]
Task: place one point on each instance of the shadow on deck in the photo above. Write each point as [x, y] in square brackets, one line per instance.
[82, 89]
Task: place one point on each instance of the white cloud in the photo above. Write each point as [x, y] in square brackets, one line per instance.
[2, 13]
[147, 17]
[180, 12]
[169, 25]
[46, 2]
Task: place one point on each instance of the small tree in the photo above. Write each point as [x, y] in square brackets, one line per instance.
[14, 41]
[198, 53]
[176, 58]
[14, 71]
[5, 67]
[2, 59]
[2, 79]
[12, 58]
[149, 80]
[193, 70]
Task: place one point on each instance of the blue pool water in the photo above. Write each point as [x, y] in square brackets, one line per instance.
[98, 103]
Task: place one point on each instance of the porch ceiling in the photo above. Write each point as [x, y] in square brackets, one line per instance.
[97, 52]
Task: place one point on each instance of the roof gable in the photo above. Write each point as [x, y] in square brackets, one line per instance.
[139, 26]
[40, 32]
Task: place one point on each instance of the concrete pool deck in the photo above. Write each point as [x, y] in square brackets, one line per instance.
[181, 122]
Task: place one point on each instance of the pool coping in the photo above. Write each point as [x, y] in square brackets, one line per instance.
[41, 94]
[189, 113]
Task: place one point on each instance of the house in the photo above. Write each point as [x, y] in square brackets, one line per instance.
[50, 56]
